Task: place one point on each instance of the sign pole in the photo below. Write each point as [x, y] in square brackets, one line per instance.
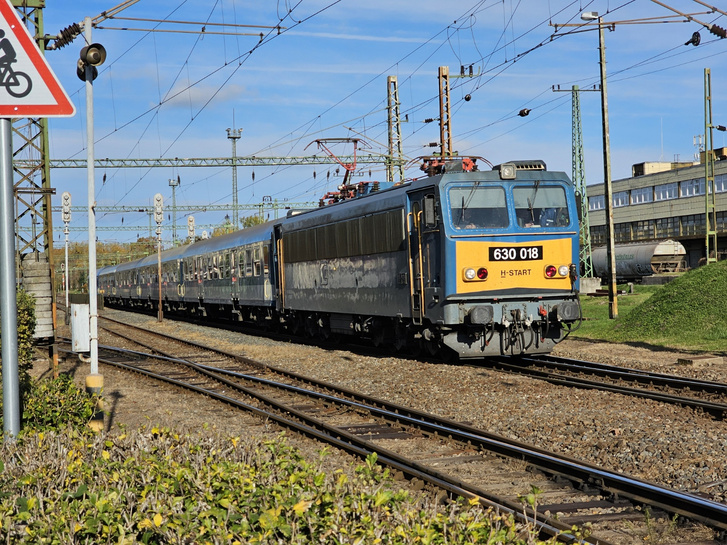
[8, 298]
[94, 381]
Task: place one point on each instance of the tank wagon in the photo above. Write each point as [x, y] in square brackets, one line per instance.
[473, 262]
[639, 259]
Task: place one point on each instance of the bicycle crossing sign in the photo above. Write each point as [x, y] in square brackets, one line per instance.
[28, 86]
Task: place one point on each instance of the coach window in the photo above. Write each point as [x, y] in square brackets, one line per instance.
[540, 206]
[248, 262]
[266, 260]
[478, 207]
[258, 265]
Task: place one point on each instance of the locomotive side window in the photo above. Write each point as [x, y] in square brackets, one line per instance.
[478, 207]
[540, 206]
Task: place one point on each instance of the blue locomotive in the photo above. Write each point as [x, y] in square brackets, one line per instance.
[472, 262]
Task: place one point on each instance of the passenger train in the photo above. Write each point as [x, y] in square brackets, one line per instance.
[465, 261]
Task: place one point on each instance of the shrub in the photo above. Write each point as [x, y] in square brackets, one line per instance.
[54, 404]
[157, 486]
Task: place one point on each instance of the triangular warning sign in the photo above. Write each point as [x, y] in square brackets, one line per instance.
[28, 86]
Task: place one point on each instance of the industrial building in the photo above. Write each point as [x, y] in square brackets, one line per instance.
[663, 201]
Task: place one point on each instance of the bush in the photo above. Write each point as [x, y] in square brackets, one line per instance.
[157, 486]
[55, 404]
[26, 329]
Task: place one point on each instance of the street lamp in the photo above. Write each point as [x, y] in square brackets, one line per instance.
[608, 194]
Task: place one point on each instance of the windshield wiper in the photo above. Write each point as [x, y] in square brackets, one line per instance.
[531, 200]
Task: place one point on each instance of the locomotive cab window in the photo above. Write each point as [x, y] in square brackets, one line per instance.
[478, 207]
[539, 205]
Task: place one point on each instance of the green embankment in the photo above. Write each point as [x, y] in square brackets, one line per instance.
[687, 313]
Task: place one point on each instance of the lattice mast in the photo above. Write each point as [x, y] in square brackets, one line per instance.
[32, 178]
[579, 180]
[710, 217]
[395, 158]
[445, 120]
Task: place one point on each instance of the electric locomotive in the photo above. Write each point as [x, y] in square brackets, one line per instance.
[476, 263]
[480, 263]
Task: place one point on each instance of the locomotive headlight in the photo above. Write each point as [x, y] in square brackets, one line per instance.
[472, 275]
[563, 270]
[550, 271]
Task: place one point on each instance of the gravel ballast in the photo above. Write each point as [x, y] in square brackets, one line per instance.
[665, 444]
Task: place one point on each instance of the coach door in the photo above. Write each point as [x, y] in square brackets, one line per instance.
[421, 224]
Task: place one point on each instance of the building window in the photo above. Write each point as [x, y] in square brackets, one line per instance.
[691, 188]
[622, 232]
[598, 235]
[642, 195]
[666, 227]
[620, 198]
[644, 230]
[597, 202]
[665, 192]
[721, 221]
[693, 224]
[720, 183]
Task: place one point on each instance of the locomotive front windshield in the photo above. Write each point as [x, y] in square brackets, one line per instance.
[478, 207]
[540, 206]
[486, 207]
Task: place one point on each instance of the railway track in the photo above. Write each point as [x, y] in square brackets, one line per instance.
[633, 382]
[573, 491]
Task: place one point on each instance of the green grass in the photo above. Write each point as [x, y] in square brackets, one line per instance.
[689, 313]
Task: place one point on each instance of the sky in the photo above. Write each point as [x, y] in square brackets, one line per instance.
[323, 74]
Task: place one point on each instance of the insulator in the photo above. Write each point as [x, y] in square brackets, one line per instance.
[428, 120]
[253, 175]
[718, 31]
[314, 174]
[66, 36]
[461, 70]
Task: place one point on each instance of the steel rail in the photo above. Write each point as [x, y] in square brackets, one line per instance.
[718, 409]
[629, 373]
[354, 445]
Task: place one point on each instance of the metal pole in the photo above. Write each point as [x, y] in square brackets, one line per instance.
[608, 194]
[160, 314]
[173, 184]
[92, 287]
[65, 231]
[234, 135]
[8, 297]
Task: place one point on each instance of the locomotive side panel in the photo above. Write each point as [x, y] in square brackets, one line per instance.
[350, 265]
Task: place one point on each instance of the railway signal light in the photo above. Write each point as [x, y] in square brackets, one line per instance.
[66, 207]
[158, 208]
[92, 55]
